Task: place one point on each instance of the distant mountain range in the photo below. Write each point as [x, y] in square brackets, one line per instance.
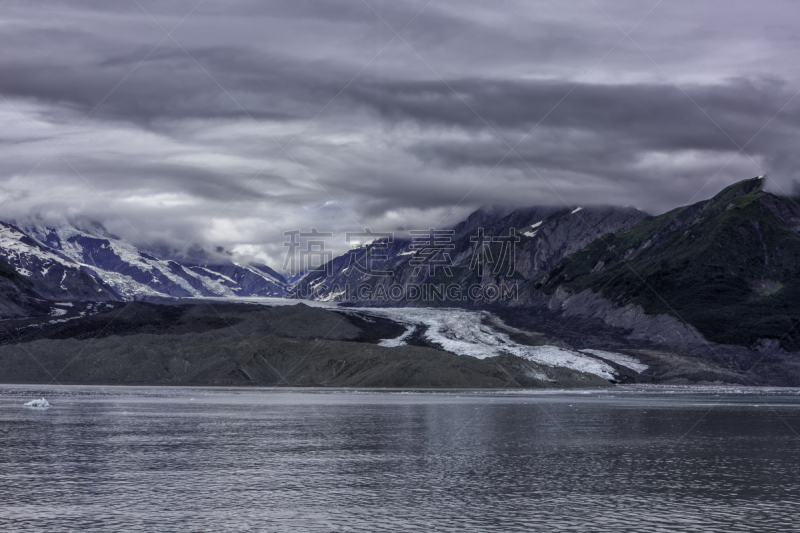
[546, 235]
[85, 262]
[724, 270]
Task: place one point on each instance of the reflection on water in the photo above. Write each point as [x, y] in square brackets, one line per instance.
[202, 459]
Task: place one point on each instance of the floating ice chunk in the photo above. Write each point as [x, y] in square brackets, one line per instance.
[38, 403]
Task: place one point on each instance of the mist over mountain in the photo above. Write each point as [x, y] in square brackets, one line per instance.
[703, 292]
[545, 234]
[88, 263]
[722, 270]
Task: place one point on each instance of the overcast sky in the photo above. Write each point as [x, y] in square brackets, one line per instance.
[231, 122]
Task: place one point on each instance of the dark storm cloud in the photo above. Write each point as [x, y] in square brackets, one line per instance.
[381, 132]
[606, 126]
[170, 86]
[661, 116]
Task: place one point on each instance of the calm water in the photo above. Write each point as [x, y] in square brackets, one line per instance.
[202, 459]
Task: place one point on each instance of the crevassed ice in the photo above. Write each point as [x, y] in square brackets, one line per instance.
[621, 359]
[463, 332]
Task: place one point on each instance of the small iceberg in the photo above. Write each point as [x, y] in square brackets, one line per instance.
[38, 403]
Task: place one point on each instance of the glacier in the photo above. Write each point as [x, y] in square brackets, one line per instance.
[621, 359]
[464, 332]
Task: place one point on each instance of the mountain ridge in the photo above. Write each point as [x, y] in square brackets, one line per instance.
[545, 235]
[727, 266]
[721, 270]
[88, 263]
[704, 293]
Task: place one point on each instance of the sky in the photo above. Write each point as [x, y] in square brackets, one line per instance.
[228, 123]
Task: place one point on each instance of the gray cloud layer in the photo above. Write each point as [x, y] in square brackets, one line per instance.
[169, 141]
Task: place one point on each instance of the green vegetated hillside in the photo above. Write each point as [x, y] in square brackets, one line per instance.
[729, 266]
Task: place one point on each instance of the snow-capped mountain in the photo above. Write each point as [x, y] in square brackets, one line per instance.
[86, 262]
[544, 236]
[51, 273]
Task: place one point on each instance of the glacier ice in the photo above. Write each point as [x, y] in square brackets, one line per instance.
[398, 341]
[621, 359]
[464, 332]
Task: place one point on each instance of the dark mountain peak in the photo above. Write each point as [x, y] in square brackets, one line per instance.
[741, 188]
[728, 266]
[746, 187]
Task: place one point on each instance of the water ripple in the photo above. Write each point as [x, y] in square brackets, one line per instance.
[182, 460]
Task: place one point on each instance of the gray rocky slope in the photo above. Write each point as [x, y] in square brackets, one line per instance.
[17, 297]
[219, 343]
[250, 345]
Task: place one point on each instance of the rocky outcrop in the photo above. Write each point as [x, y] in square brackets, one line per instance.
[786, 210]
[727, 266]
[665, 330]
[18, 299]
[14, 303]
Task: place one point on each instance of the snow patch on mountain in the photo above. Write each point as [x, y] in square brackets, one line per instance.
[18, 252]
[90, 254]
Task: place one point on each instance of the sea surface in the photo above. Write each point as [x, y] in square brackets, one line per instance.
[241, 459]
